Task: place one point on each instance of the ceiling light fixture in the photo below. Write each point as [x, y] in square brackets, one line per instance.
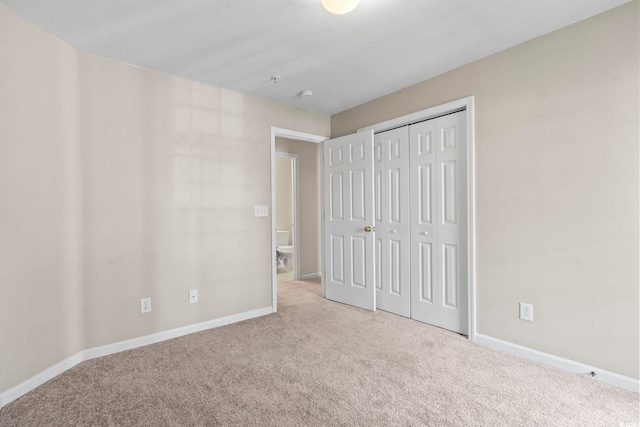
[339, 7]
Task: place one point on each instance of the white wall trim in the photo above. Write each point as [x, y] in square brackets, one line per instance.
[40, 378]
[310, 276]
[569, 365]
[290, 134]
[467, 104]
[92, 353]
[421, 115]
[117, 347]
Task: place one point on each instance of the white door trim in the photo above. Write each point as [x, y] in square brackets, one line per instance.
[295, 210]
[289, 134]
[450, 107]
[418, 116]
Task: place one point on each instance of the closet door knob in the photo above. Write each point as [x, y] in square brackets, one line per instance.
[425, 233]
[392, 231]
[367, 229]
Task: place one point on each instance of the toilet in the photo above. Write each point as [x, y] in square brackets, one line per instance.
[284, 251]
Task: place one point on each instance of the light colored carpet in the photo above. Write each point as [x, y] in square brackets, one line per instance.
[317, 362]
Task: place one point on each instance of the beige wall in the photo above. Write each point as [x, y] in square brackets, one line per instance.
[556, 185]
[120, 183]
[40, 287]
[284, 195]
[309, 192]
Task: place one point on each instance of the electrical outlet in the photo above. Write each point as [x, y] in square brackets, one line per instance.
[261, 210]
[526, 312]
[193, 296]
[145, 305]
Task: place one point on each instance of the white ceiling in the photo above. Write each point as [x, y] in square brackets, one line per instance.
[383, 46]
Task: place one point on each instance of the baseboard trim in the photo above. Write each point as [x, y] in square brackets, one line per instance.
[309, 276]
[51, 372]
[117, 347]
[569, 365]
[40, 378]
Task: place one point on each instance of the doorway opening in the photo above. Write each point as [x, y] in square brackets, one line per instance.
[286, 217]
[304, 260]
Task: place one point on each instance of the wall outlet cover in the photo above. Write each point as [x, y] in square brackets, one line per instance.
[526, 312]
[145, 305]
[193, 296]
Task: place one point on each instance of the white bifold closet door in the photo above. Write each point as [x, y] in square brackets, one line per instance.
[411, 183]
[392, 238]
[348, 220]
[439, 291]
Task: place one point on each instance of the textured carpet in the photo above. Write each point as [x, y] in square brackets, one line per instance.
[317, 362]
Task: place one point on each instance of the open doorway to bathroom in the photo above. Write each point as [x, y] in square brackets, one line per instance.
[287, 235]
[306, 233]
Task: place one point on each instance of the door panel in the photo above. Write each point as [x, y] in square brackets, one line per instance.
[424, 194]
[349, 250]
[448, 192]
[357, 199]
[378, 265]
[395, 203]
[336, 260]
[358, 246]
[392, 221]
[425, 272]
[439, 225]
[395, 276]
[449, 275]
[336, 208]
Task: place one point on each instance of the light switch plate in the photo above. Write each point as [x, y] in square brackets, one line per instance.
[262, 211]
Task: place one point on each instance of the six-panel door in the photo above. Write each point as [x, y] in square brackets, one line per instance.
[439, 222]
[391, 182]
[348, 211]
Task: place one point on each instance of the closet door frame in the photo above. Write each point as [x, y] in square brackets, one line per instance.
[433, 112]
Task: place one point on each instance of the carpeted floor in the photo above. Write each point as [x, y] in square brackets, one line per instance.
[317, 362]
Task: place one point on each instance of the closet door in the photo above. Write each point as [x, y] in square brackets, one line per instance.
[439, 222]
[392, 209]
[348, 220]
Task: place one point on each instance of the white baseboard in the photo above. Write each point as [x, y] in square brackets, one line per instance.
[569, 365]
[40, 378]
[71, 361]
[117, 347]
[309, 276]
